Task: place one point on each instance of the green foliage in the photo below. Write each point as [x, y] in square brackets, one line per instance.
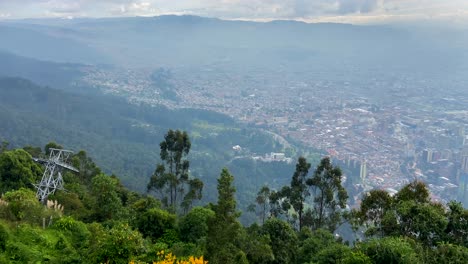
[4, 146]
[415, 191]
[449, 253]
[411, 214]
[194, 225]
[256, 245]
[108, 204]
[35, 152]
[72, 203]
[225, 209]
[334, 253]
[86, 167]
[181, 249]
[154, 222]
[457, 226]
[313, 242]
[22, 205]
[299, 189]
[374, 206]
[278, 204]
[284, 242]
[118, 244]
[356, 258]
[413, 229]
[169, 237]
[17, 170]
[329, 195]
[76, 231]
[390, 250]
[51, 145]
[29, 244]
[171, 177]
[424, 222]
[224, 229]
[123, 138]
[262, 200]
[4, 237]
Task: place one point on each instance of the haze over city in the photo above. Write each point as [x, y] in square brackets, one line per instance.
[266, 96]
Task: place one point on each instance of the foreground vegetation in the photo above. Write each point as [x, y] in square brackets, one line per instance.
[98, 220]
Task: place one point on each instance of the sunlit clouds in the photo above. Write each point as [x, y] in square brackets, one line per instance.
[347, 11]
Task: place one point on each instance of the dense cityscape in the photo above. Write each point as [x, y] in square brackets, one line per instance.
[234, 132]
[387, 140]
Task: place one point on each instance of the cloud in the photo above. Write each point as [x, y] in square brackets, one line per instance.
[358, 6]
[5, 15]
[307, 10]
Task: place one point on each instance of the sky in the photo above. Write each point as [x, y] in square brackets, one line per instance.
[345, 11]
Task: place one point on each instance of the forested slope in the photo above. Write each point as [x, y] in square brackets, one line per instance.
[124, 138]
[97, 220]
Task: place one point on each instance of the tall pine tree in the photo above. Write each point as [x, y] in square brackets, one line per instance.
[222, 245]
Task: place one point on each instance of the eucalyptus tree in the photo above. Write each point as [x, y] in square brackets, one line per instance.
[171, 178]
[329, 195]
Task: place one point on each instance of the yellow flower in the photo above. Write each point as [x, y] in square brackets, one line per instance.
[171, 259]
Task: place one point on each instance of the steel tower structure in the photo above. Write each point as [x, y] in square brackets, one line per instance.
[52, 178]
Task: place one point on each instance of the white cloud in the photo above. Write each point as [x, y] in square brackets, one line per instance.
[308, 10]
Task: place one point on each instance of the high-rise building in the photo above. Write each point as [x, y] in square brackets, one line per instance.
[463, 189]
[464, 161]
[363, 170]
[427, 155]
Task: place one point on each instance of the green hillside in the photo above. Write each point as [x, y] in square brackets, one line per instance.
[97, 220]
[124, 138]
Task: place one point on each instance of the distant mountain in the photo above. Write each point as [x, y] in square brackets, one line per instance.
[196, 41]
[47, 43]
[59, 75]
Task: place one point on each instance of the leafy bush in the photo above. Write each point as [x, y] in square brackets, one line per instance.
[390, 250]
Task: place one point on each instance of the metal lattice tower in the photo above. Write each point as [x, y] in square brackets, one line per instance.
[52, 178]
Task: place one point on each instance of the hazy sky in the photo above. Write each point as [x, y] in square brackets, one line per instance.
[353, 11]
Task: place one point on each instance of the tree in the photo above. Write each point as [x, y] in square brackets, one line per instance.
[329, 195]
[299, 190]
[22, 205]
[108, 204]
[449, 253]
[374, 206]
[224, 229]
[262, 201]
[148, 217]
[457, 227]
[424, 222]
[117, 245]
[256, 245]
[86, 167]
[172, 177]
[194, 193]
[51, 145]
[284, 240]
[194, 225]
[390, 250]
[4, 146]
[155, 222]
[18, 170]
[279, 204]
[313, 242]
[33, 151]
[412, 214]
[334, 253]
[415, 191]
